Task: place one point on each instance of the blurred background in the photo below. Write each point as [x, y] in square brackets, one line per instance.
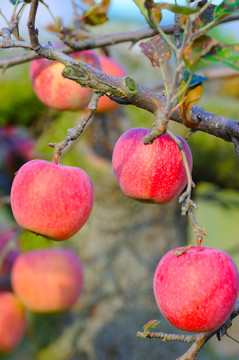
[123, 240]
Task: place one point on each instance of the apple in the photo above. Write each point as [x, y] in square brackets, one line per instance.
[12, 322]
[196, 291]
[6, 265]
[113, 68]
[151, 173]
[50, 199]
[47, 280]
[57, 92]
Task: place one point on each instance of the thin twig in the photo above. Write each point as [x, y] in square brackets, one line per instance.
[75, 132]
[198, 340]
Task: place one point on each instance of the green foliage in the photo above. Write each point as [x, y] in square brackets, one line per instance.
[177, 9]
[227, 54]
[19, 104]
[226, 8]
[30, 241]
[153, 11]
[214, 161]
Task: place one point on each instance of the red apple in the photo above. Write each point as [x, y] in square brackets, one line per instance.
[5, 267]
[196, 291]
[12, 322]
[47, 280]
[113, 68]
[149, 173]
[50, 199]
[57, 92]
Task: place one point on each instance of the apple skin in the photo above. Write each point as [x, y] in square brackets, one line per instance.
[197, 290]
[149, 173]
[57, 92]
[12, 322]
[47, 280]
[6, 266]
[113, 68]
[50, 199]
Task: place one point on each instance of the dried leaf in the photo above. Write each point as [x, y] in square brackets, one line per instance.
[192, 96]
[89, 3]
[226, 8]
[157, 50]
[53, 28]
[227, 54]
[97, 14]
[197, 49]
[203, 19]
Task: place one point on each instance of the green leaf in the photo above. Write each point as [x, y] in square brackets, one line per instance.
[150, 325]
[227, 54]
[178, 9]
[198, 48]
[30, 241]
[227, 7]
[157, 50]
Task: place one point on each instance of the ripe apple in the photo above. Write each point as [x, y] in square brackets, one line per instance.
[57, 92]
[50, 199]
[5, 267]
[113, 68]
[196, 291]
[12, 322]
[149, 173]
[47, 280]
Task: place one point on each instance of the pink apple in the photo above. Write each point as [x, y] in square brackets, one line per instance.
[113, 68]
[196, 291]
[12, 322]
[57, 92]
[50, 199]
[149, 173]
[5, 268]
[47, 280]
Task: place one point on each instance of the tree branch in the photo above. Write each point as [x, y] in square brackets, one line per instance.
[89, 43]
[198, 340]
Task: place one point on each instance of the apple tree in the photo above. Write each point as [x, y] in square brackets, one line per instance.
[140, 248]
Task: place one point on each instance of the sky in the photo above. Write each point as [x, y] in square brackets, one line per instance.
[63, 8]
[124, 9]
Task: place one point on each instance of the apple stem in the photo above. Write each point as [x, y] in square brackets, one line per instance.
[199, 241]
[56, 159]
